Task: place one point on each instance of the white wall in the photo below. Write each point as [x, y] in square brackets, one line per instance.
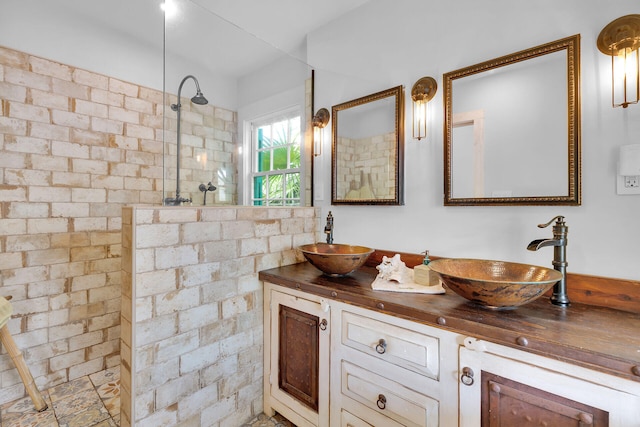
[55, 30]
[385, 43]
[46, 29]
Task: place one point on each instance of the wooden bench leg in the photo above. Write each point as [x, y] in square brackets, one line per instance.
[23, 369]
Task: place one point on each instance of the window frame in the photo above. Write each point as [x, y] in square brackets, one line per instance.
[271, 119]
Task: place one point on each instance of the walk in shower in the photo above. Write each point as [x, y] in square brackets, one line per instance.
[198, 99]
[199, 135]
[244, 78]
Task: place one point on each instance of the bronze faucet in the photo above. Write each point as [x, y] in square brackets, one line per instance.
[328, 229]
[559, 243]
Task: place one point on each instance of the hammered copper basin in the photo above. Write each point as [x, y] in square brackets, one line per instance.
[495, 284]
[335, 259]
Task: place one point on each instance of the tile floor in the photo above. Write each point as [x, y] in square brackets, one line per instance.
[91, 401]
[264, 421]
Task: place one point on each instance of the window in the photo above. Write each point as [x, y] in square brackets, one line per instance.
[275, 174]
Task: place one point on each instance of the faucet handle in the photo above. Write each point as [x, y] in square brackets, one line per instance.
[559, 218]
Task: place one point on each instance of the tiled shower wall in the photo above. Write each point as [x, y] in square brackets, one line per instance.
[192, 331]
[75, 147]
[364, 166]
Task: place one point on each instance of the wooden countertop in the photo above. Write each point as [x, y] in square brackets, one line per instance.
[599, 338]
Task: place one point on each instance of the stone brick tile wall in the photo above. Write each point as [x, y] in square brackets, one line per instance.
[192, 329]
[75, 147]
[208, 154]
[363, 158]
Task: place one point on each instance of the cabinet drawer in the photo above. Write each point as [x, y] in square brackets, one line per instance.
[347, 419]
[387, 397]
[397, 345]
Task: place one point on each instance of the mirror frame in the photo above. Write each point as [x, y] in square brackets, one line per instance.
[574, 192]
[398, 199]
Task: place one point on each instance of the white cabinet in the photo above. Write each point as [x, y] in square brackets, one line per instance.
[329, 363]
[386, 371]
[296, 356]
[505, 386]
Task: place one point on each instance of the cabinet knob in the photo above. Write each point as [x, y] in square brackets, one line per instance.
[636, 370]
[381, 347]
[467, 376]
[495, 387]
[586, 419]
[323, 324]
[382, 401]
[522, 341]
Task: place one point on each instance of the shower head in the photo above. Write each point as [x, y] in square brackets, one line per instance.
[199, 99]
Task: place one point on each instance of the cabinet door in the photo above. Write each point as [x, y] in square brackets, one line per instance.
[511, 403]
[297, 357]
[504, 386]
[298, 336]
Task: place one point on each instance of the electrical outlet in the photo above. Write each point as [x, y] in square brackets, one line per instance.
[626, 185]
[631, 181]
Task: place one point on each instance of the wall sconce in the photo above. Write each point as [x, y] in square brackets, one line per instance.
[319, 122]
[421, 93]
[621, 39]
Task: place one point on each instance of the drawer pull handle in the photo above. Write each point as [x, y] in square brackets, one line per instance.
[323, 324]
[382, 401]
[467, 376]
[381, 347]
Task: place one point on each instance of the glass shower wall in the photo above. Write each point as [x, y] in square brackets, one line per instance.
[243, 78]
[200, 163]
[207, 158]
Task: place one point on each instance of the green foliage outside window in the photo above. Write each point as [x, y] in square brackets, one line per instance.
[276, 180]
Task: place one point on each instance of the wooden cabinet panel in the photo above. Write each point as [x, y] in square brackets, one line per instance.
[298, 361]
[510, 403]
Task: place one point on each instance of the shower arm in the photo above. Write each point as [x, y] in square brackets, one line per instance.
[177, 108]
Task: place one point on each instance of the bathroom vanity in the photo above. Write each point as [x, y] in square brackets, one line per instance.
[337, 353]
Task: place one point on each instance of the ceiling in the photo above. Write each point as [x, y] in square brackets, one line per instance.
[230, 37]
[281, 23]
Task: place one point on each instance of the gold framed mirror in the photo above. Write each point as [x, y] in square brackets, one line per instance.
[367, 151]
[512, 129]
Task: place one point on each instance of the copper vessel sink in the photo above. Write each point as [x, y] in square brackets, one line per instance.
[335, 259]
[495, 284]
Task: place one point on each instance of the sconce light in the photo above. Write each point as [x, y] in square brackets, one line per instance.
[421, 93]
[319, 122]
[621, 39]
